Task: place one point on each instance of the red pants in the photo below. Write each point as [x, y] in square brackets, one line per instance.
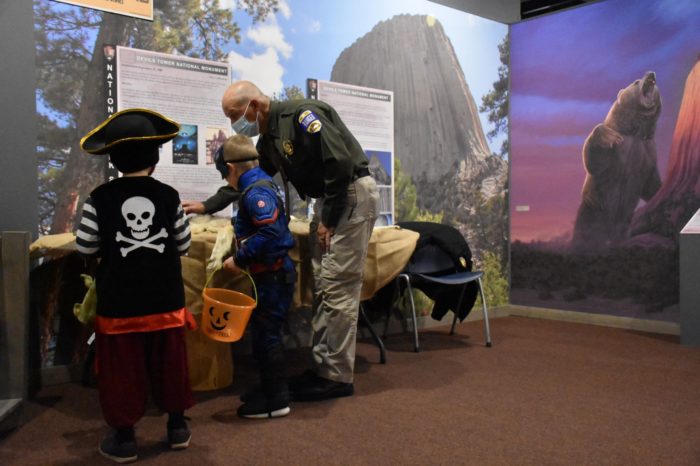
[130, 363]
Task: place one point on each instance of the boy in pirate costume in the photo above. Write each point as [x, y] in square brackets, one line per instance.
[264, 241]
[136, 225]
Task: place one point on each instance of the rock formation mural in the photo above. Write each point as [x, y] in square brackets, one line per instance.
[621, 168]
[659, 222]
[438, 135]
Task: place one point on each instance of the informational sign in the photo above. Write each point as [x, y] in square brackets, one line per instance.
[188, 91]
[137, 8]
[369, 115]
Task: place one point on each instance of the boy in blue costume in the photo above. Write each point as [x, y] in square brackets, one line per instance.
[264, 240]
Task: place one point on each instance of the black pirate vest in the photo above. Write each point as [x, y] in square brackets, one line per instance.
[140, 270]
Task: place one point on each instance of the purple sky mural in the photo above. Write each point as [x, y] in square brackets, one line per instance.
[566, 71]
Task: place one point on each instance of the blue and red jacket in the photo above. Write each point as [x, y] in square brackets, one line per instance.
[262, 233]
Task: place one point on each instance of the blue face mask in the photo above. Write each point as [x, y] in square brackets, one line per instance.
[245, 127]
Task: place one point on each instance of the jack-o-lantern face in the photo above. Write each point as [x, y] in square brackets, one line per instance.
[219, 322]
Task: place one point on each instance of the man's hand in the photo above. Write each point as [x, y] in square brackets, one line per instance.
[193, 207]
[324, 237]
[231, 267]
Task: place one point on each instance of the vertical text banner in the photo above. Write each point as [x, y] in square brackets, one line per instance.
[187, 90]
[137, 8]
[369, 115]
[109, 60]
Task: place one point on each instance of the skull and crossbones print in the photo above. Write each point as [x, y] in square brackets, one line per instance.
[138, 212]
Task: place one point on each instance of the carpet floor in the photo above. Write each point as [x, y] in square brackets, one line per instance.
[546, 393]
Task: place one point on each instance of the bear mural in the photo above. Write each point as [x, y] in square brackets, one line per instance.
[619, 156]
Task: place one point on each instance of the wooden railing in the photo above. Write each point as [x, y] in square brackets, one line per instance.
[14, 327]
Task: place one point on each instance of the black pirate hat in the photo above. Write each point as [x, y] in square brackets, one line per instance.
[133, 127]
[131, 137]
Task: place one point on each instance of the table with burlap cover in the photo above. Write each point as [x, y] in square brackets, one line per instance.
[210, 362]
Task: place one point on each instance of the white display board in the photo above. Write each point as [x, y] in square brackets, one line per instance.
[369, 115]
[188, 91]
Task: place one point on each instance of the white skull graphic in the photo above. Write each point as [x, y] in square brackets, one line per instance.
[138, 212]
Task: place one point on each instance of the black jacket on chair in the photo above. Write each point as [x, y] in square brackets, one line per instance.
[450, 241]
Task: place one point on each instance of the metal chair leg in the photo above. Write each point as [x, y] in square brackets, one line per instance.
[459, 306]
[377, 340]
[487, 330]
[394, 298]
[416, 346]
[387, 316]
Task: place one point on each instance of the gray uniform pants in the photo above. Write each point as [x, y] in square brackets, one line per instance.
[338, 281]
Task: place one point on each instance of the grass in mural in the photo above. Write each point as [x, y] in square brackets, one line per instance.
[491, 263]
[494, 281]
[646, 276]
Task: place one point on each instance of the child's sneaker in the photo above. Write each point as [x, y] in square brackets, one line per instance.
[118, 449]
[179, 434]
[179, 438]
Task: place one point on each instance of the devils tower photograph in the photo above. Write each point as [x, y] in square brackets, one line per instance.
[439, 138]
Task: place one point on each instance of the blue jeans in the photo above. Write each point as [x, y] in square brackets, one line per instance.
[275, 294]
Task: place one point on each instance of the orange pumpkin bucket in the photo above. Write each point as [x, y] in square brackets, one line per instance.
[225, 313]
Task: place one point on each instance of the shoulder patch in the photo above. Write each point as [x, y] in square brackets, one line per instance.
[310, 122]
[262, 206]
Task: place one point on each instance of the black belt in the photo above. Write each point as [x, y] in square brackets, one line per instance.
[279, 276]
[361, 173]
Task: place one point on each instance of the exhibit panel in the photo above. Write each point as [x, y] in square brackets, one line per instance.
[604, 171]
[369, 115]
[189, 91]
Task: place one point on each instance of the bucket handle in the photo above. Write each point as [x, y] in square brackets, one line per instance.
[245, 272]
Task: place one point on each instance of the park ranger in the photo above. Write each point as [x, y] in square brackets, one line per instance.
[310, 146]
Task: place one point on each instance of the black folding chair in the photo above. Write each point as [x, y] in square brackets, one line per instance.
[431, 265]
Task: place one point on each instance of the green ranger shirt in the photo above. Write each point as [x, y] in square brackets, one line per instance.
[308, 142]
[224, 197]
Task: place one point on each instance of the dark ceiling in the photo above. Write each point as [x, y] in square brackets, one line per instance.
[512, 11]
[532, 8]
